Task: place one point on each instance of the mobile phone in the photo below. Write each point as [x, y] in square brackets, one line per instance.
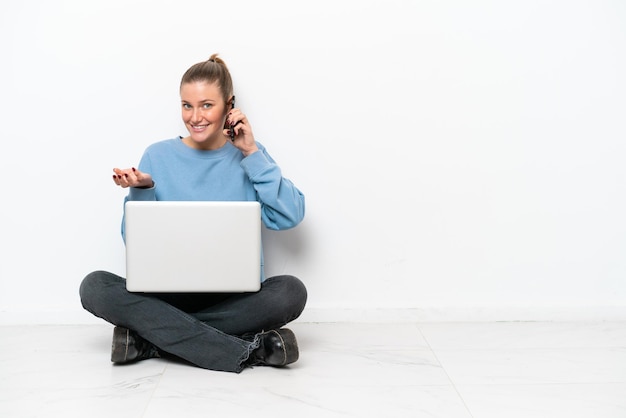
[231, 129]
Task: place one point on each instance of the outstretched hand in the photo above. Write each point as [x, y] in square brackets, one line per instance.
[131, 177]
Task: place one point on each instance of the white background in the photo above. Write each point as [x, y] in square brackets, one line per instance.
[459, 159]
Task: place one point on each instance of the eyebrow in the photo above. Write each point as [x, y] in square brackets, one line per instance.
[201, 101]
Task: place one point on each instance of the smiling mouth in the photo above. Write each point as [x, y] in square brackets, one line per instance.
[199, 127]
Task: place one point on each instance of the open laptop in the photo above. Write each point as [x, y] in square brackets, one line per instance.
[193, 246]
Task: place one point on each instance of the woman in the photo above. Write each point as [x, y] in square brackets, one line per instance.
[218, 160]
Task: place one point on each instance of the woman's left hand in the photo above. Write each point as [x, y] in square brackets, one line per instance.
[244, 139]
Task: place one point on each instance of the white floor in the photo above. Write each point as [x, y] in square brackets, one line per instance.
[501, 370]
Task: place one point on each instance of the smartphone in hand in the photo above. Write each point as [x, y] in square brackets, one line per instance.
[231, 128]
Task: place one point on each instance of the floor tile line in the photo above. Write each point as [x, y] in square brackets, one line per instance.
[456, 390]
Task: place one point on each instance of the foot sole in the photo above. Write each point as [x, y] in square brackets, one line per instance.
[290, 344]
[119, 346]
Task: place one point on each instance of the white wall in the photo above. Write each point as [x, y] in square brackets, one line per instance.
[460, 159]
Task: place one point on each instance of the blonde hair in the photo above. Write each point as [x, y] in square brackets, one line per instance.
[213, 70]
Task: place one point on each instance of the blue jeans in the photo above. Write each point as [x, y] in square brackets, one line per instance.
[211, 330]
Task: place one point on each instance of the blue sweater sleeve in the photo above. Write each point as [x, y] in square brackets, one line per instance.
[282, 204]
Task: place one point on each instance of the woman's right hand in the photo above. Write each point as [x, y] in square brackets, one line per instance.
[131, 177]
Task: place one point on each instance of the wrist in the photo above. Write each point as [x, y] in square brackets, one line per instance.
[250, 151]
[146, 187]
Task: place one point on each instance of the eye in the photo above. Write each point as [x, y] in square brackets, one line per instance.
[186, 106]
[207, 105]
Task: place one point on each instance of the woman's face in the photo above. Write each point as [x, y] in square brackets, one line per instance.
[204, 113]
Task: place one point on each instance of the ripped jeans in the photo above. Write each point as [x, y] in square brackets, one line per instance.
[206, 329]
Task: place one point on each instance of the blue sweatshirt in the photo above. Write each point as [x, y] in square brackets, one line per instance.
[182, 173]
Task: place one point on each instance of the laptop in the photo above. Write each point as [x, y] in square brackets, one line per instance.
[193, 246]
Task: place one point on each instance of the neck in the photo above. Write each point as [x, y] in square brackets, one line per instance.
[204, 146]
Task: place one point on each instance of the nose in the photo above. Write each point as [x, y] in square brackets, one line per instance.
[196, 115]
